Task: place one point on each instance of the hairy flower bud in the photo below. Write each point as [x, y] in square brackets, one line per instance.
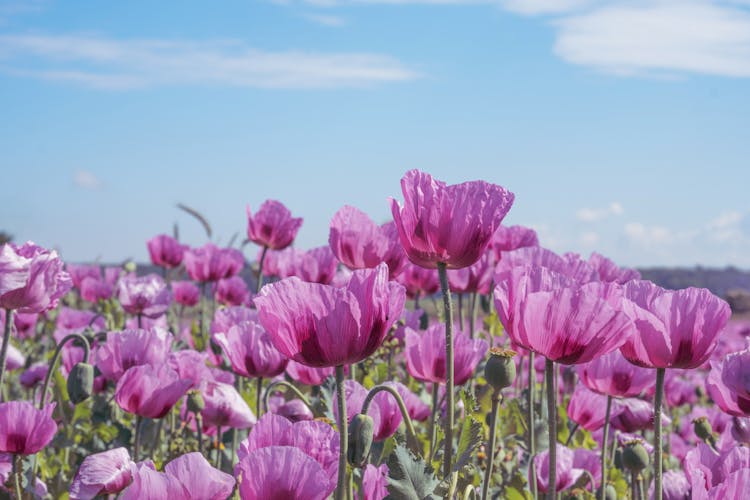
[361, 430]
[80, 382]
[635, 457]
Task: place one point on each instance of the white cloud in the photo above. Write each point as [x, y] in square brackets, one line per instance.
[659, 37]
[727, 227]
[536, 7]
[648, 235]
[105, 63]
[326, 20]
[598, 214]
[87, 180]
[589, 238]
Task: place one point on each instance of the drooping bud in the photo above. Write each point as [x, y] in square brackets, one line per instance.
[634, 456]
[80, 382]
[361, 430]
[500, 370]
[195, 402]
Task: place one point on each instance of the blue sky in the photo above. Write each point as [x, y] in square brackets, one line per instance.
[621, 126]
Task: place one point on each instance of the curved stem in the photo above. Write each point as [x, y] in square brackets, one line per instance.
[448, 306]
[591, 479]
[491, 445]
[468, 493]
[657, 432]
[284, 383]
[531, 422]
[56, 356]
[6, 342]
[414, 441]
[604, 447]
[260, 269]
[341, 485]
[549, 373]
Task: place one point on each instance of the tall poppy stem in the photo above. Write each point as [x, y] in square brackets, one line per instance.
[258, 396]
[449, 403]
[341, 485]
[660, 372]
[602, 493]
[549, 373]
[17, 471]
[491, 445]
[137, 438]
[531, 422]
[260, 269]
[6, 342]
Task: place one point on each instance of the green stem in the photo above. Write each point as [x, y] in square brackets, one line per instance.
[202, 316]
[259, 392]
[139, 318]
[6, 342]
[473, 313]
[433, 417]
[284, 383]
[341, 484]
[549, 373]
[17, 471]
[137, 438]
[531, 422]
[660, 372]
[572, 433]
[604, 448]
[260, 269]
[199, 428]
[448, 306]
[219, 453]
[412, 439]
[461, 311]
[491, 445]
[156, 442]
[56, 356]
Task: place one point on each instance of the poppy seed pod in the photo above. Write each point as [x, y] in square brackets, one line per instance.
[635, 457]
[80, 382]
[500, 370]
[361, 431]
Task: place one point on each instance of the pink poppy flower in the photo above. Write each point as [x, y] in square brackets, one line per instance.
[610, 272]
[272, 226]
[32, 279]
[425, 354]
[186, 293]
[508, 238]
[308, 375]
[225, 407]
[105, 473]
[128, 348]
[210, 263]
[613, 375]
[675, 328]
[146, 295]
[250, 350]
[567, 474]
[320, 325]
[375, 482]
[149, 391]
[232, 291]
[25, 430]
[448, 224]
[165, 251]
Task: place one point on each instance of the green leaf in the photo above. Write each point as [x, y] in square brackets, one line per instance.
[409, 478]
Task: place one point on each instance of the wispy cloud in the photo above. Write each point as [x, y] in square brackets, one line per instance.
[598, 214]
[87, 180]
[326, 20]
[106, 63]
[659, 37]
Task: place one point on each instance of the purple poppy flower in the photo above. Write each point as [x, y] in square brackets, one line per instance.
[128, 348]
[25, 430]
[105, 473]
[149, 391]
[210, 263]
[32, 279]
[272, 226]
[250, 350]
[165, 251]
[425, 354]
[146, 295]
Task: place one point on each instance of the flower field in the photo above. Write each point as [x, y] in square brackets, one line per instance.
[439, 355]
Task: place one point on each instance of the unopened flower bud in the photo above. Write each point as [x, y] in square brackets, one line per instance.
[702, 429]
[195, 402]
[361, 430]
[635, 457]
[80, 382]
[500, 370]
